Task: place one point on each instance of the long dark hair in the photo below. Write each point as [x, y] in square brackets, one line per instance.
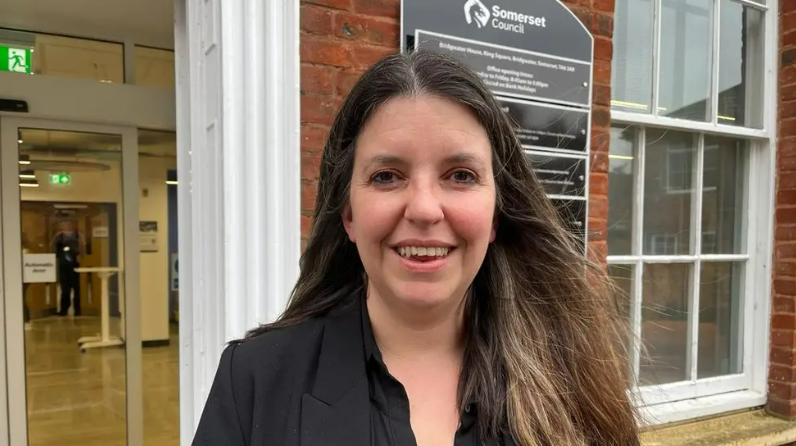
[543, 357]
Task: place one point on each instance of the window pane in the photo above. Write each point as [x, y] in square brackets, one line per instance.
[740, 65]
[620, 190]
[631, 76]
[722, 196]
[51, 55]
[154, 67]
[720, 337]
[668, 172]
[685, 56]
[664, 323]
[622, 278]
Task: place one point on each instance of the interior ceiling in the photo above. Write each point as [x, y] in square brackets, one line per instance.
[145, 22]
[65, 143]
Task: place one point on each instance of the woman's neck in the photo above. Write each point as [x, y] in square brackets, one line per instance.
[405, 332]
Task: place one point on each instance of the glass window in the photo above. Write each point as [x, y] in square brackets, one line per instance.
[631, 77]
[154, 67]
[51, 55]
[620, 189]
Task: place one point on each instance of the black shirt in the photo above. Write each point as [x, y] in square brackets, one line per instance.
[389, 404]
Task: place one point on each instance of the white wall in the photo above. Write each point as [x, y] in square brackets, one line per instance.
[105, 187]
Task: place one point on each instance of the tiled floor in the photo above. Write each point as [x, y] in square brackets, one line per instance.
[78, 399]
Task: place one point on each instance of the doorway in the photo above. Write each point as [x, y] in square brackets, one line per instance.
[69, 241]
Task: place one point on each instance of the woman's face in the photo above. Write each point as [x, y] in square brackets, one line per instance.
[422, 200]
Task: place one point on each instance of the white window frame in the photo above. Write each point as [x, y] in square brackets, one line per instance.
[696, 398]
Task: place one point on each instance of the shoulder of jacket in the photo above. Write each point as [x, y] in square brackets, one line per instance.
[277, 347]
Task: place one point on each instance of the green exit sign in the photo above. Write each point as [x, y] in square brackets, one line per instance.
[15, 59]
[60, 178]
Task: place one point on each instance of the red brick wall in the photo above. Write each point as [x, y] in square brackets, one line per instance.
[341, 38]
[782, 372]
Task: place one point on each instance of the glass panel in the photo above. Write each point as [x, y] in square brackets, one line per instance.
[154, 67]
[668, 174]
[722, 196]
[159, 285]
[685, 59]
[720, 336]
[52, 55]
[620, 190]
[71, 220]
[631, 75]
[740, 65]
[664, 323]
[622, 278]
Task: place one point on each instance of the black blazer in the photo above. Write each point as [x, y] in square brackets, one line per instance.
[300, 386]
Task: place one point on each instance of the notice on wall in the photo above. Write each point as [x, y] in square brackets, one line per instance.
[175, 272]
[537, 58]
[544, 126]
[99, 232]
[38, 268]
[148, 236]
[560, 175]
[514, 72]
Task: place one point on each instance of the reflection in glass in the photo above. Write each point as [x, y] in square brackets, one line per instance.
[154, 67]
[685, 55]
[71, 204]
[668, 174]
[720, 331]
[620, 190]
[631, 75]
[722, 195]
[740, 65]
[622, 279]
[159, 281]
[664, 323]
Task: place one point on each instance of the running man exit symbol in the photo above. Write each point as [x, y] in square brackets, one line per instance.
[18, 60]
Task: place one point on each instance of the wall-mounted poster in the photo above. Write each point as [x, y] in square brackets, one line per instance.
[148, 236]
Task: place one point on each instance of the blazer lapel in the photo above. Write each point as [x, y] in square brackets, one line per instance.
[337, 412]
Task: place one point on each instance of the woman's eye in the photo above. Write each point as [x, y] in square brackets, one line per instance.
[383, 177]
[463, 176]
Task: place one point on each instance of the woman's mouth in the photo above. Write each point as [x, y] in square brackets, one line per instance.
[423, 253]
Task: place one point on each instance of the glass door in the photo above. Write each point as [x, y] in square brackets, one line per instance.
[70, 237]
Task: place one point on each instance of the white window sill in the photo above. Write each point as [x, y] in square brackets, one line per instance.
[666, 413]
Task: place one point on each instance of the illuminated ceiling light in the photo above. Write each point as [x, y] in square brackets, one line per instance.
[171, 183]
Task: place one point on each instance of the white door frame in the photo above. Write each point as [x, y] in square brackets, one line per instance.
[12, 362]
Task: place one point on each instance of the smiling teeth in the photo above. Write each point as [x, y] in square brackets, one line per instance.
[408, 251]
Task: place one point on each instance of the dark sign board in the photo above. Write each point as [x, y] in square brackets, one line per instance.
[514, 72]
[549, 126]
[574, 214]
[560, 175]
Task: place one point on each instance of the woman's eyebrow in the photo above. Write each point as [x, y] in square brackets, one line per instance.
[457, 158]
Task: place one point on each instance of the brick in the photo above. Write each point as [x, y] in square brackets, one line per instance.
[365, 56]
[306, 225]
[603, 48]
[787, 180]
[786, 163]
[782, 373]
[598, 207]
[788, 57]
[316, 20]
[602, 72]
[584, 15]
[319, 109]
[787, 128]
[381, 8]
[604, 5]
[325, 53]
[600, 140]
[787, 93]
[598, 251]
[787, 7]
[782, 391]
[784, 267]
[601, 95]
[598, 184]
[597, 230]
[366, 29]
[779, 408]
[785, 251]
[787, 75]
[781, 356]
[346, 81]
[313, 138]
[787, 110]
[785, 233]
[599, 162]
[782, 338]
[317, 80]
[308, 193]
[337, 4]
[310, 166]
[783, 321]
[602, 24]
[789, 39]
[601, 117]
[786, 147]
[785, 216]
[784, 304]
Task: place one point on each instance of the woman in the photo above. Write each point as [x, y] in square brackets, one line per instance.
[440, 300]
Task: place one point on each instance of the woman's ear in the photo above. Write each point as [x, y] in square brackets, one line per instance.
[348, 222]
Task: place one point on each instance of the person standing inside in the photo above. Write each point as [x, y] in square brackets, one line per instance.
[67, 253]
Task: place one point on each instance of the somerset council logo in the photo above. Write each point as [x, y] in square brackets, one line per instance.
[475, 11]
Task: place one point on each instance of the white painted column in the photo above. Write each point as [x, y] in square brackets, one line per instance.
[239, 173]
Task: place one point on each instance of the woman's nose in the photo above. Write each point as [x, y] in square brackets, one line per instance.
[423, 207]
